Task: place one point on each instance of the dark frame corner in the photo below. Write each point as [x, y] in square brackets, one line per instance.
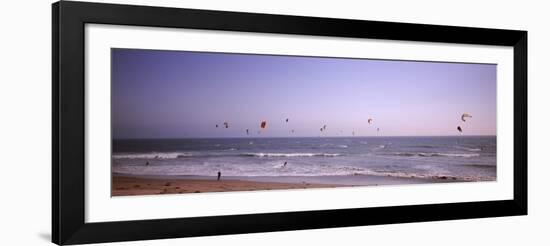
[68, 23]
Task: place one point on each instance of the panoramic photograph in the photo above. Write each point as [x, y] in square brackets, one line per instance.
[198, 122]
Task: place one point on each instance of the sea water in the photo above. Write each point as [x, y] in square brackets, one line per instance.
[466, 158]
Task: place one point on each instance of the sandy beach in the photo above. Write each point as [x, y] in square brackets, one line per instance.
[126, 186]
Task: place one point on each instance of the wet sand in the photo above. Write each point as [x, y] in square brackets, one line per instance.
[127, 186]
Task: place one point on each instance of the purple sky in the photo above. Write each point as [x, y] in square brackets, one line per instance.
[173, 94]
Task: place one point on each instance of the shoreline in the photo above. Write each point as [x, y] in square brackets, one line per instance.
[313, 137]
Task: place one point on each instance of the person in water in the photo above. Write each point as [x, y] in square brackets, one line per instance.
[219, 175]
[284, 165]
[146, 163]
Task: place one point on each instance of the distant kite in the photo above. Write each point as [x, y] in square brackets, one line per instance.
[292, 131]
[226, 124]
[324, 127]
[377, 129]
[286, 119]
[369, 121]
[263, 124]
[216, 125]
[464, 116]
[459, 129]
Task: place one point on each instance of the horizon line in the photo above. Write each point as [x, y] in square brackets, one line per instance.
[175, 138]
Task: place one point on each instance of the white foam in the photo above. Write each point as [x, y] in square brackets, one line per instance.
[275, 169]
[152, 155]
[449, 154]
[291, 154]
[423, 154]
[468, 149]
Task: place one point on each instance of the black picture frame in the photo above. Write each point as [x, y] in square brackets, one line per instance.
[68, 122]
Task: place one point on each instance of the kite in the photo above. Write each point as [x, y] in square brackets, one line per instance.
[464, 116]
[459, 129]
[369, 121]
[263, 124]
[226, 124]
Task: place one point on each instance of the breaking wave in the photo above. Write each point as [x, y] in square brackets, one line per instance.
[290, 154]
[153, 155]
[464, 155]
[469, 149]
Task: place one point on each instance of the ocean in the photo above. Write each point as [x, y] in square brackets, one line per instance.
[456, 158]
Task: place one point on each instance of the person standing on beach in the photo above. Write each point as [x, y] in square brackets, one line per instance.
[219, 175]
